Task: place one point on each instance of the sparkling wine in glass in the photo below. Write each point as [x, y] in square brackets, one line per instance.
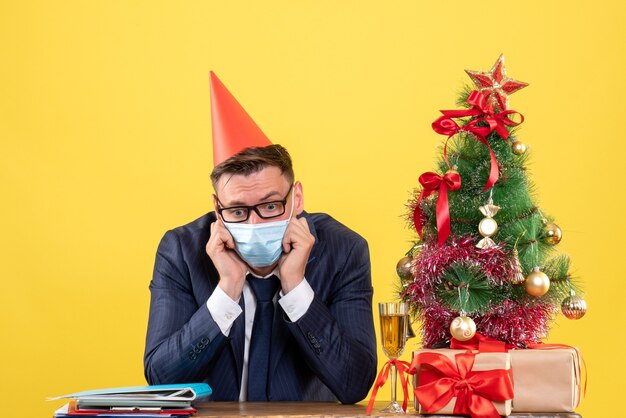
[393, 330]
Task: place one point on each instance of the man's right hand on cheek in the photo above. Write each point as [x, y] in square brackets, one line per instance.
[232, 270]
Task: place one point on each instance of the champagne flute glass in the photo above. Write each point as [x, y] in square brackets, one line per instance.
[393, 329]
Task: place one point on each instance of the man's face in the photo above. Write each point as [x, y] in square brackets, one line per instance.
[264, 186]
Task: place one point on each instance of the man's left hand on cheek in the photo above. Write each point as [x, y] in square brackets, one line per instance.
[297, 244]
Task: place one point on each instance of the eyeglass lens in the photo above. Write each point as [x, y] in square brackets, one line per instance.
[264, 210]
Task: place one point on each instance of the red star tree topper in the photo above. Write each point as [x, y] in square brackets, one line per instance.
[495, 85]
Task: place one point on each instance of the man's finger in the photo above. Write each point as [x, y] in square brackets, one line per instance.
[220, 236]
[304, 223]
[287, 240]
[223, 233]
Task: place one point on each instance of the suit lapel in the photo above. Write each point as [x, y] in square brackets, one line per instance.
[316, 258]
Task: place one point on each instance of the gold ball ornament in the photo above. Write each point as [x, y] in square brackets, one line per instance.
[403, 268]
[518, 147]
[463, 328]
[574, 307]
[552, 234]
[537, 283]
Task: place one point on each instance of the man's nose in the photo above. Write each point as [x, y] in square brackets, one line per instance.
[254, 218]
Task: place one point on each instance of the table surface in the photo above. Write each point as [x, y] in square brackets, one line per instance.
[316, 409]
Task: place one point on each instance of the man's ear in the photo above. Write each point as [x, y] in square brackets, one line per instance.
[298, 196]
[215, 205]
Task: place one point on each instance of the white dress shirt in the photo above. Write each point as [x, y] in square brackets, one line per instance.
[224, 311]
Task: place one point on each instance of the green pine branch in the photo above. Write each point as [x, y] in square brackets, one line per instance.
[464, 288]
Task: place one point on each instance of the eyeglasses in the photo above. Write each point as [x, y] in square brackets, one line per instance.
[266, 210]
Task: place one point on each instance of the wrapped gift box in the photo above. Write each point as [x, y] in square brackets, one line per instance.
[482, 362]
[546, 380]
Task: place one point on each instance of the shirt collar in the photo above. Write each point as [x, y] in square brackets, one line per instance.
[273, 273]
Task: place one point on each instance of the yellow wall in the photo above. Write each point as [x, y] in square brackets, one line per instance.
[105, 144]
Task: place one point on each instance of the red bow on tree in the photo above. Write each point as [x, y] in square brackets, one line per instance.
[481, 112]
[432, 182]
[475, 391]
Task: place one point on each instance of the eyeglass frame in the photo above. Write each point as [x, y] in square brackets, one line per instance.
[254, 208]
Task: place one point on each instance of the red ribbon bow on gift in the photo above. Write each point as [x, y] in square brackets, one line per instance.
[432, 182]
[482, 112]
[441, 380]
[490, 345]
[402, 367]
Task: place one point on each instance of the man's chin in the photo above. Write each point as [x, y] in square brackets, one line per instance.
[263, 271]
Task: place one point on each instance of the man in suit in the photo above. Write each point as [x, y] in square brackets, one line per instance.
[260, 299]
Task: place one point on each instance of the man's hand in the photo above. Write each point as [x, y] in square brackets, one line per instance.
[297, 244]
[231, 269]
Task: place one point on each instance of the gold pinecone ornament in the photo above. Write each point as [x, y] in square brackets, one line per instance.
[518, 275]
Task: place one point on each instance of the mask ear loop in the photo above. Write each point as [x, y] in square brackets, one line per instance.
[293, 203]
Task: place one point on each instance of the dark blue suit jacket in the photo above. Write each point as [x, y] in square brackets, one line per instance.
[328, 354]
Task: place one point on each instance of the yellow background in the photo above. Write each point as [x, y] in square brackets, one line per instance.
[105, 144]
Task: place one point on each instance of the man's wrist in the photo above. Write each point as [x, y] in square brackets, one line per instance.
[297, 302]
[223, 309]
[231, 287]
[287, 285]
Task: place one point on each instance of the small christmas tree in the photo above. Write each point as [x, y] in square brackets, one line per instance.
[485, 258]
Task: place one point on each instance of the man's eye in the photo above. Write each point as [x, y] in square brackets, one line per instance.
[271, 208]
[237, 213]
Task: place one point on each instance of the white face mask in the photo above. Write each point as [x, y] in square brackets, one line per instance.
[259, 245]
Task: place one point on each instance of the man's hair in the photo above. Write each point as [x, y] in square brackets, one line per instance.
[254, 159]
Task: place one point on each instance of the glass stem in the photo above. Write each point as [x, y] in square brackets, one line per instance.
[394, 372]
